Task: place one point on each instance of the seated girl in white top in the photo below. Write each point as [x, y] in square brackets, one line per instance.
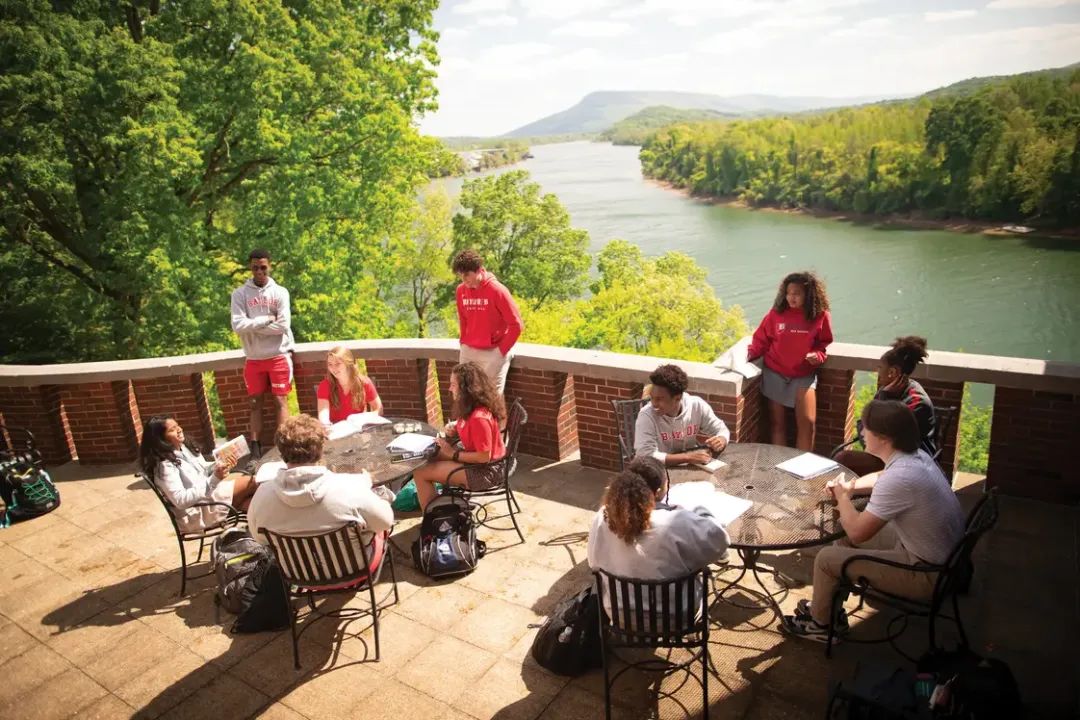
[637, 535]
[186, 478]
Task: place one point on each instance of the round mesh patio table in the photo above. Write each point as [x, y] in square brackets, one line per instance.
[367, 451]
[788, 512]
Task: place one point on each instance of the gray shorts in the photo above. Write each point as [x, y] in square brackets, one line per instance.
[781, 389]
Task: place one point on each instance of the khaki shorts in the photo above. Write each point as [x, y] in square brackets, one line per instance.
[493, 362]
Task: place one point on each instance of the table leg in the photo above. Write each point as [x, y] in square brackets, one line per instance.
[765, 599]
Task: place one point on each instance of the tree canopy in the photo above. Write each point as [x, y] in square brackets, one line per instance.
[149, 145]
[1009, 150]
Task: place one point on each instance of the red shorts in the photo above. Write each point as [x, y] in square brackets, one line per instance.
[273, 374]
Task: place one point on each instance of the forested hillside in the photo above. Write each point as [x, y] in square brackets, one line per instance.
[1009, 150]
[637, 128]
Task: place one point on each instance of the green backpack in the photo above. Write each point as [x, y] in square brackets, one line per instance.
[27, 490]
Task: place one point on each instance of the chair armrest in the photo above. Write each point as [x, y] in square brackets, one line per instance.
[231, 511]
[916, 567]
[833, 453]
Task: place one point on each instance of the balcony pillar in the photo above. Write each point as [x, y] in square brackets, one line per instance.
[39, 410]
[408, 388]
[835, 409]
[183, 397]
[548, 397]
[104, 421]
[598, 434]
[947, 394]
[1033, 440]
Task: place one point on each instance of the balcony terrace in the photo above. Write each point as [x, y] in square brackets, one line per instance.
[90, 623]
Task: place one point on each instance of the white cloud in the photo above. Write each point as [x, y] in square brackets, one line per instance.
[948, 15]
[594, 28]
[870, 27]
[1015, 4]
[497, 21]
[452, 33]
[475, 7]
[564, 9]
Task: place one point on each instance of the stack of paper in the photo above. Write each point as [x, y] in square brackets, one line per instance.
[807, 465]
[725, 508]
[410, 443]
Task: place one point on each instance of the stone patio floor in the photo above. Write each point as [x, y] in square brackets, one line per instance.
[91, 624]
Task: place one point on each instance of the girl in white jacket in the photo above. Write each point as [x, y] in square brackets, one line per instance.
[186, 478]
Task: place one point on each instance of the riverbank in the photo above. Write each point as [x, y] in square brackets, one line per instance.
[898, 221]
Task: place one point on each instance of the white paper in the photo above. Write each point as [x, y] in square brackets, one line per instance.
[342, 429]
[269, 470]
[411, 442]
[714, 465]
[807, 465]
[365, 420]
[725, 508]
[230, 453]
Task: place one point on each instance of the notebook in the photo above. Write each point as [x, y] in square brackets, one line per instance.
[410, 443]
[807, 465]
[725, 508]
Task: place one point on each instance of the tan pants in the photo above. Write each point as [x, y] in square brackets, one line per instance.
[885, 545]
[493, 362]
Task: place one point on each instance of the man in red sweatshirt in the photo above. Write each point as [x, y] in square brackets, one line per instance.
[489, 318]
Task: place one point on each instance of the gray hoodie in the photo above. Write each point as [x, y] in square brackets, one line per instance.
[310, 500]
[253, 308]
[658, 435]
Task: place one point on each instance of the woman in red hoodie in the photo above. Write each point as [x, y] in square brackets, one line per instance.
[792, 338]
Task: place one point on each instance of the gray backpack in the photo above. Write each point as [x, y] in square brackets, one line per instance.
[237, 558]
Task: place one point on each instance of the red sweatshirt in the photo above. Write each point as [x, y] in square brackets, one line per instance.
[785, 338]
[488, 315]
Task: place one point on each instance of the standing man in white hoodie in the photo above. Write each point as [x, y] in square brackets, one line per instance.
[306, 498]
[676, 427]
[262, 318]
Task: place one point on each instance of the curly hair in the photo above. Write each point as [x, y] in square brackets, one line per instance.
[300, 440]
[906, 353]
[628, 505]
[155, 449]
[476, 389]
[670, 377]
[356, 379]
[817, 300]
[467, 261]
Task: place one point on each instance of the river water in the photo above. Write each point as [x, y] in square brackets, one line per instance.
[975, 293]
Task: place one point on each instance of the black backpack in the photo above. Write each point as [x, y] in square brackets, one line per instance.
[249, 583]
[979, 688]
[568, 642]
[447, 544]
[27, 491]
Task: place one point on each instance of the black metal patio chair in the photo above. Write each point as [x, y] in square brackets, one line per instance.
[232, 518]
[944, 418]
[648, 614]
[17, 446]
[492, 479]
[626, 413]
[953, 577]
[314, 566]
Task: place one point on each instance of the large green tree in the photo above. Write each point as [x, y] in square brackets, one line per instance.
[524, 236]
[147, 145]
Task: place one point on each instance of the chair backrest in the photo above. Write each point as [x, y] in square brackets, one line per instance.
[169, 509]
[17, 443]
[958, 567]
[516, 420]
[626, 412]
[328, 559]
[944, 417]
[654, 613]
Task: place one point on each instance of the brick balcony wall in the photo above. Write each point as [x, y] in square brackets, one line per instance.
[94, 411]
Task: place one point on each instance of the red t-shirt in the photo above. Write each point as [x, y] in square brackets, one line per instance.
[480, 431]
[346, 406]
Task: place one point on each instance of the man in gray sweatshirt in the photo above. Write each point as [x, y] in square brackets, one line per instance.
[676, 427]
[262, 318]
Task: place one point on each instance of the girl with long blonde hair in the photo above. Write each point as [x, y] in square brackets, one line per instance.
[346, 390]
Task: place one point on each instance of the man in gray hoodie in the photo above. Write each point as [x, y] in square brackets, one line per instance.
[306, 498]
[676, 427]
[262, 318]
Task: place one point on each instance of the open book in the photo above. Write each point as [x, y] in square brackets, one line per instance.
[229, 453]
[807, 465]
[725, 508]
[357, 422]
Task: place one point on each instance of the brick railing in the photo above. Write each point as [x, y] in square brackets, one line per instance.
[93, 412]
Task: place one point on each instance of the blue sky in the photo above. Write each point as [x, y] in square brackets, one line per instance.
[508, 62]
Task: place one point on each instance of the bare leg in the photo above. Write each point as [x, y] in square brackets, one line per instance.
[244, 487]
[255, 402]
[777, 424]
[282, 408]
[805, 418]
[436, 472]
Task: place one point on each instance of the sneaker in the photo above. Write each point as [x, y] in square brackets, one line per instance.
[802, 609]
[806, 627]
